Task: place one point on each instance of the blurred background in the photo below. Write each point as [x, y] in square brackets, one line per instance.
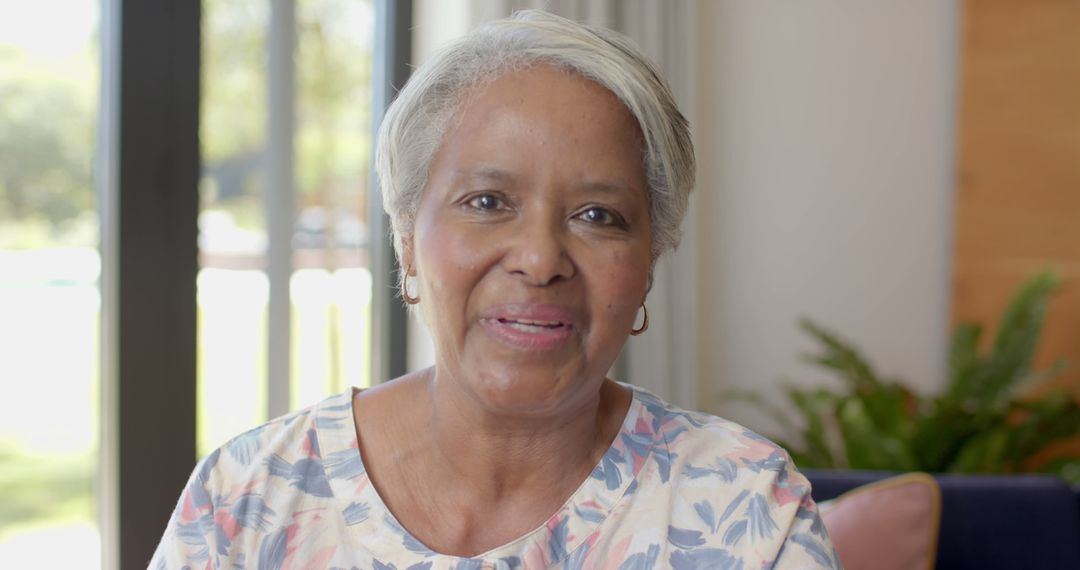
[51, 202]
[887, 169]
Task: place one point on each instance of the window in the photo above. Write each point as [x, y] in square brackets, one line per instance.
[49, 284]
[286, 147]
[108, 262]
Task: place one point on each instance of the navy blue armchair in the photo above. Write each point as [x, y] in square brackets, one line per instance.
[987, 522]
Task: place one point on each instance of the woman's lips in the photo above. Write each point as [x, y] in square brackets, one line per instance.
[529, 326]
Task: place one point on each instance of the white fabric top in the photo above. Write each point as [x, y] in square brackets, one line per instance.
[676, 489]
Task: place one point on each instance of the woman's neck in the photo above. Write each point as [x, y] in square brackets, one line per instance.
[463, 479]
[498, 454]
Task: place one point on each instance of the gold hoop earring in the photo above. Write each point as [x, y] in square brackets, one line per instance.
[644, 324]
[405, 290]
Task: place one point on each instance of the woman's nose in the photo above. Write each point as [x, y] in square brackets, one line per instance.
[538, 253]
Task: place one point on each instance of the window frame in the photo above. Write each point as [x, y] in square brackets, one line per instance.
[148, 175]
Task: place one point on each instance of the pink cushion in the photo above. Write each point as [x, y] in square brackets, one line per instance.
[886, 525]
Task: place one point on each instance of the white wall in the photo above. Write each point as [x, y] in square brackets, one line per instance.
[825, 145]
[824, 131]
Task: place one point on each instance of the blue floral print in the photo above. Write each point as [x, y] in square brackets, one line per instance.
[676, 489]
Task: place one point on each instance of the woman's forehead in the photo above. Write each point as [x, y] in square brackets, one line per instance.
[544, 85]
[547, 108]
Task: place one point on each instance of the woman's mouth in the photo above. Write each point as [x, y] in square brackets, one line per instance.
[529, 327]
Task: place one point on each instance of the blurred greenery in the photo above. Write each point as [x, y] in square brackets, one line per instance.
[45, 487]
[48, 123]
[45, 165]
[46, 175]
[332, 141]
[996, 414]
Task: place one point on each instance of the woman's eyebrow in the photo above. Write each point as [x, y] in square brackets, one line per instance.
[607, 187]
[484, 174]
[612, 188]
[488, 174]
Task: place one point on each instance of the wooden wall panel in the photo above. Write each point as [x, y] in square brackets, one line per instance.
[1017, 206]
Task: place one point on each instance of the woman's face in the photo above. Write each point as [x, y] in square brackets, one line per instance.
[531, 245]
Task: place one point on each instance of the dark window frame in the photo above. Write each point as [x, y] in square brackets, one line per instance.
[390, 70]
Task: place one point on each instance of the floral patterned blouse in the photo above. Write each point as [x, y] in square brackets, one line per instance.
[676, 489]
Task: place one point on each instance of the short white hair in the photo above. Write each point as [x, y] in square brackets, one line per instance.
[415, 124]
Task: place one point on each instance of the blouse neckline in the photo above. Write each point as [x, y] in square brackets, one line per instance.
[371, 526]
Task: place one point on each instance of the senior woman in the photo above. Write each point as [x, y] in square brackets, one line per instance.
[533, 171]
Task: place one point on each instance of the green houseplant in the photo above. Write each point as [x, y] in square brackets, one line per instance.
[994, 415]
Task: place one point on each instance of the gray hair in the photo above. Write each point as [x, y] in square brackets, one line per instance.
[415, 124]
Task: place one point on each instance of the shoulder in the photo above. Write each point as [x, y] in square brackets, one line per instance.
[689, 431]
[734, 491]
[703, 448]
[244, 494]
[287, 448]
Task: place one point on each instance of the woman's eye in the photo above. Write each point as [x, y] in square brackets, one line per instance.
[485, 202]
[599, 216]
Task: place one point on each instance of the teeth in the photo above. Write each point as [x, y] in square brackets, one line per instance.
[530, 323]
[536, 323]
[523, 327]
